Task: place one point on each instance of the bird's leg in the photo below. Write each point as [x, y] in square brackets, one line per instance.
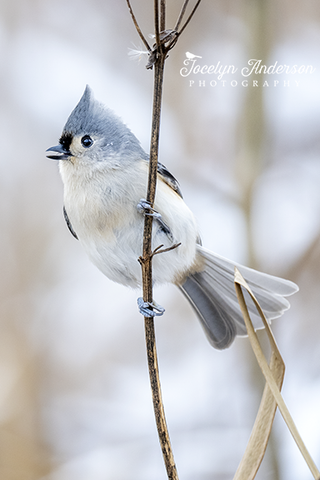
[148, 309]
[153, 309]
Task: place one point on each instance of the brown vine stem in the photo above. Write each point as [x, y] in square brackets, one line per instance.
[156, 60]
[147, 263]
[147, 278]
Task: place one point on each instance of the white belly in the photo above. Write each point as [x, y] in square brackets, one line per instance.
[110, 227]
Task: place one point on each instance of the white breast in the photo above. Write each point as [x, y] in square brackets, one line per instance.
[102, 208]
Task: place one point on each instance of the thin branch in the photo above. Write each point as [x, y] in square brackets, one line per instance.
[159, 249]
[156, 22]
[181, 15]
[137, 27]
[157, 57]
[162, 15]
[146, 266]
[164, 250]
[190, 16]
[157, 400]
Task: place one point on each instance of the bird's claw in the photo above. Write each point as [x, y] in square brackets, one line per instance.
[148, 309]
[145, 208]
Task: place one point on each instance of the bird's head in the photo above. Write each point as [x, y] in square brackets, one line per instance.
[94, 134]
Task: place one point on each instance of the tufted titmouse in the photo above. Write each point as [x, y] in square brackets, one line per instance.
[104, 170]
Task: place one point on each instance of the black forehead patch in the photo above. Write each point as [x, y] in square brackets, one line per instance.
[65, 140]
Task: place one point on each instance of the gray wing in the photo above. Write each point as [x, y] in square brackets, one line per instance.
[169, 179]
[69, 223]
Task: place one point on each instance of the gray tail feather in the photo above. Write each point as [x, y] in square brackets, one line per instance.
[212, 294]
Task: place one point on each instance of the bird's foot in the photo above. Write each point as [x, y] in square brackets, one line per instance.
[145, 208]
[148, 309]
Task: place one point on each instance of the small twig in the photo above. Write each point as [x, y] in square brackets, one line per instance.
[175, 33]
[157, 250]
[156, 22]
[162, 15]
[164, 250]
[181, 15]
[137, 27]
[190, 17]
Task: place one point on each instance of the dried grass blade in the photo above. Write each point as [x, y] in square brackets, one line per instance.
[274, 376]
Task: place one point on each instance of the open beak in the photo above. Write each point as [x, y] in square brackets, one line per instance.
[59, 153]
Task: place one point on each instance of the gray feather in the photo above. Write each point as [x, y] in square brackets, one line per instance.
[212, 294]
[91, 117]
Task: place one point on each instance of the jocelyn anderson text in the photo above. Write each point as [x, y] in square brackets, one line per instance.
[254, 67]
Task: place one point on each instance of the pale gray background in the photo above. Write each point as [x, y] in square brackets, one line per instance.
[74, 394]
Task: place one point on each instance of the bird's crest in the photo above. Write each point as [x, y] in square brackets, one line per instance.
[91, 117]
[82, 115]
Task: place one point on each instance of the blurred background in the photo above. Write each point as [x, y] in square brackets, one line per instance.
[75, 402]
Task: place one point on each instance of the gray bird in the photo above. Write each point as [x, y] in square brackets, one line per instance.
[104, 171]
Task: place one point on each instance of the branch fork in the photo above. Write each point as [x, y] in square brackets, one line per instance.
[156, 251]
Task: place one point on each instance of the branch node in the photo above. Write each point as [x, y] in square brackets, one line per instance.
[169, 37]
[143, 260]
[164, 250]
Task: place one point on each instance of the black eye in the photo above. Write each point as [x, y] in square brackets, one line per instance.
[86, 141]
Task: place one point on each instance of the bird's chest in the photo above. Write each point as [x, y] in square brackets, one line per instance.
[97, 211]
[107, 232]
[104, 215]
